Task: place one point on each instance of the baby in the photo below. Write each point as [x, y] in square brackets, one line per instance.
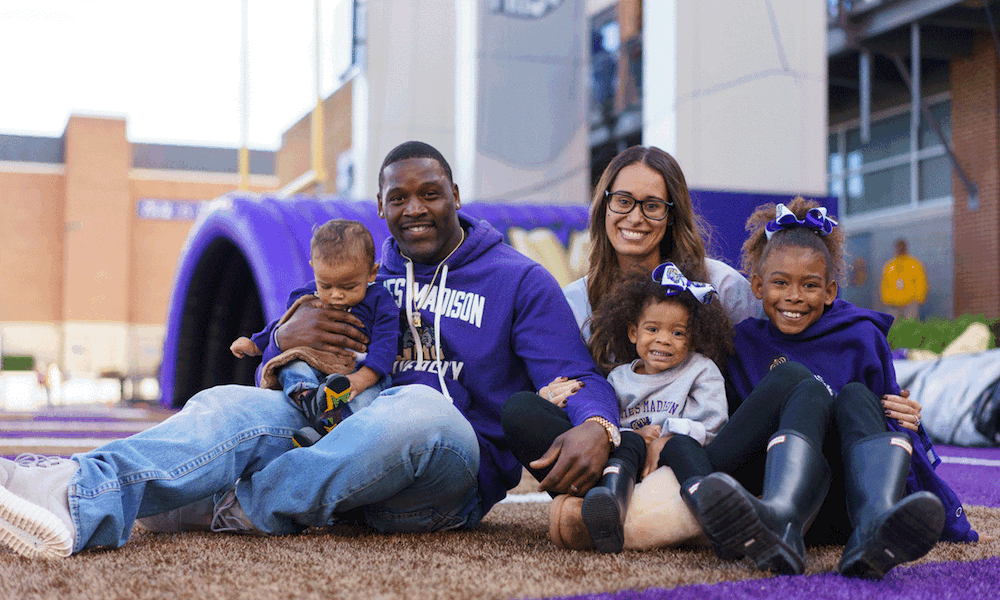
[343, 261]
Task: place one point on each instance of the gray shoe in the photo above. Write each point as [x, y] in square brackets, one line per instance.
[196, 516]
[229, 516]
[221, 513]
[34, 505]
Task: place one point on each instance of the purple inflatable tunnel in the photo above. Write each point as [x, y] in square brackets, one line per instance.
[244, 255]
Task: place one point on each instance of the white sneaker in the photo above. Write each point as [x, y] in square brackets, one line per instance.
[221, 513]
[34, 505]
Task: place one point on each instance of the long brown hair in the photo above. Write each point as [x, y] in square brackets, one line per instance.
[683, 241]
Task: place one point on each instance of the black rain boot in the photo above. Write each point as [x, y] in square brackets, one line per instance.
[769, 531]
[888, 528]
[605, 505]
[689, 493]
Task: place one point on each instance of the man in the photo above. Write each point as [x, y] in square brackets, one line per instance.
[904, 284]
[427, 454]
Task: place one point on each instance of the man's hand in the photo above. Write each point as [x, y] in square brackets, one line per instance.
[578, 458]
[323, 328]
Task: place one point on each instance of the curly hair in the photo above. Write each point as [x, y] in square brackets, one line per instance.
[710, 332]
[338, 239]
[687, 233]
[757, 247]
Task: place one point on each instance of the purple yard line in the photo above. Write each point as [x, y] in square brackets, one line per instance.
[92, 417]
[973, 453]
[63, 433]
[974, 474]
[975, 580]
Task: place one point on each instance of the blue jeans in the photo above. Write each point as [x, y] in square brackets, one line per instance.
[409, 461]
[297, 376]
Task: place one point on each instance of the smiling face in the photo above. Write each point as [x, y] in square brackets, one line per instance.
[661, 336]
[342, 284]
[636, 238]
[792, 283]
[418, 202]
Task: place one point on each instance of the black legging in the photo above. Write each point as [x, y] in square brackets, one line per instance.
[532, 423]
[789, 397]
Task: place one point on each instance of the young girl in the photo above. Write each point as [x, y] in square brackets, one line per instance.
[815, 362]
[660, 339]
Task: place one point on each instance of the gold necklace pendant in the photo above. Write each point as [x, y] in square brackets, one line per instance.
[416, 319]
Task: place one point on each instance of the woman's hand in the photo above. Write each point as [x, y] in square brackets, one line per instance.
[903, 409]
[560, 390]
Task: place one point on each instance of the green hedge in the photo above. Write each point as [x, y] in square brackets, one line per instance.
[16, 362]
[934, 334]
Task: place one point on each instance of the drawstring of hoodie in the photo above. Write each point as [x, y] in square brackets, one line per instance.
[438, 309]
[412, 311]
[409, 312]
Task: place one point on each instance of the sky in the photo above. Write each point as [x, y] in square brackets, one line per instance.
[172, 68]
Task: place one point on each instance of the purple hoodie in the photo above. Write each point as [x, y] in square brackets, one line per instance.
[503, 326]
[846, 344]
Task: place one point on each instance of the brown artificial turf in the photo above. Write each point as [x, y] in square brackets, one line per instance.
[507, 556]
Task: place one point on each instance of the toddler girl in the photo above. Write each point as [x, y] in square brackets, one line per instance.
[662, 340]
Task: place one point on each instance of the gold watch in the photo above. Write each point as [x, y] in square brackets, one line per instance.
[614, 436]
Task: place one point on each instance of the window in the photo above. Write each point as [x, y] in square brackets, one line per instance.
[890, 171]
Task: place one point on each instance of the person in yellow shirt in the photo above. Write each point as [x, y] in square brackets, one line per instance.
[904, 284]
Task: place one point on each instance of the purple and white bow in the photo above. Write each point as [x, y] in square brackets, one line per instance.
[674, 282]
[816, 220]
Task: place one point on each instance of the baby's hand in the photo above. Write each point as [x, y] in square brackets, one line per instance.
[361, 380]
[244, 346]
[649, 432]
[559, 391]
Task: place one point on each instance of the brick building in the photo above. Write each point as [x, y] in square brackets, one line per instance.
[901, 72]
[91, 230]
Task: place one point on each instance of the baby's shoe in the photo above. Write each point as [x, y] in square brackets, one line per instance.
[326, 409]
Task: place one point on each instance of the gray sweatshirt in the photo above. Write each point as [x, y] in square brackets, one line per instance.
[689, 399]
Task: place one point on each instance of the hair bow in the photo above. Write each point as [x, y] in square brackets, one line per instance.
[816, 220]
[674, 282]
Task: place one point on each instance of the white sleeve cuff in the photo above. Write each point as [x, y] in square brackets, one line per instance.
[694, 429]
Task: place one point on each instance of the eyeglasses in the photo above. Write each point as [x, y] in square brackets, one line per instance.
[622, 203]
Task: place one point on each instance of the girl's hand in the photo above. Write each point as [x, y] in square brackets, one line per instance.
[560, 390]
[653, 454]
[649, 433]
[903, 409]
